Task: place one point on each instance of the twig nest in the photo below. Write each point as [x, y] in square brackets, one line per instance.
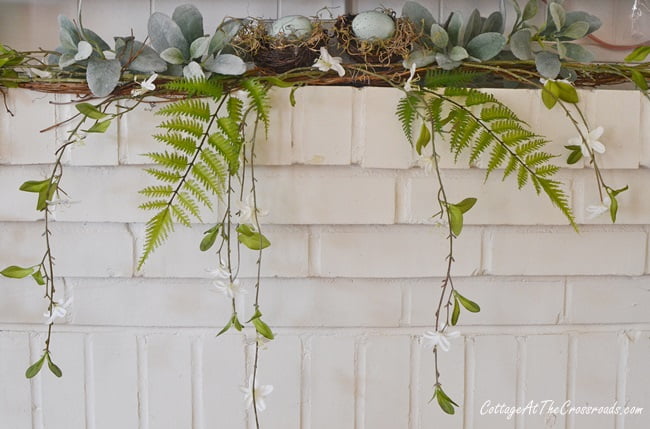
[375, 37]
[373, 25]
[296, 26]
[288, 43]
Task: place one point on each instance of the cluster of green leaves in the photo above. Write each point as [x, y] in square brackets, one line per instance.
[198, 158]
[495, 132]
[639, 55]
[35, 368]
[460, 300]
[9, 59]
[16, 272]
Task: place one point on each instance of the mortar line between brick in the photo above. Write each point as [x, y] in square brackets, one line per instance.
[470, 375]
[196, 358]
[89, 382]
[414, 384]
[407, 305]
[520, 393]
[143, 382]
[566, 304]
[621, 377]
[35, 385]
[360, 383]
[572, 361]
[305, 383]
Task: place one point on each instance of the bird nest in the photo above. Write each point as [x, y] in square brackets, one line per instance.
[376, 52]
[279, 53]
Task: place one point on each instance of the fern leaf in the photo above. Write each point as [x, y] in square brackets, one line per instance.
[449, 78]
[171, 160]
[235, 108]
[153, 205]
[198, 193]
[202, 174]
[197, 87]
[229, 152]
[547, 170]
[407, 113]
[177, 141]
[157, 191]
[497, 156]
[522, 176]
[259, 96]
[484, 141]
[188, 126]
[193, 108]
[164, 175]
[214, 163]
[187, 202]
[180, 216]
[492, 113]
[557, 196]
[156, 231]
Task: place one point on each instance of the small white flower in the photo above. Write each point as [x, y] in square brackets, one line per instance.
[193, 71]
[221, 272]
[441, 339]
[427, 163]
[52, 205]
[596, 210]
[591, 138]
[261, 392]
[247, 214]
[43, 74]
[327, 62]
[231, 289]
[145, 86]
[407, 85]
[59, 310]
[84, 50]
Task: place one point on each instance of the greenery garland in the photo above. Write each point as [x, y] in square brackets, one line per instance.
[208, 155]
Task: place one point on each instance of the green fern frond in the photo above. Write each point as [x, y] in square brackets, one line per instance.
[407, 113]
[215, 164]
[191, 108]
[484, 140]
[553, 189]
[177, 141]
[195, 189]
[164, 175]
[197, 87]
[498, 111]
[259, 96]
[449, 78]
[230, 129]
[157, 191]
[229, 151]
[522, 176]
[156, 232]
[171, 160]
[153, 205]
[179, 124]
[211, 183]
[180, 216]
[187, 202]
[235, 108]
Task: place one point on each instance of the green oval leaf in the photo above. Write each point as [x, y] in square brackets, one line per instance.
[567, 92]
[486, 46]
[38, 278]
[209, 239]
[439, 36]
[99, 127]
[35, 368]
[263, 329]
[639, 80]
[455, 313]
[466, 205]
[35, 186]
[252, 239]
[91, 111]
[639, 54]
[53, 368]
[574, 157]
[423, 139]
[550, 94]
[16, 272]
[468, 304]
[455, 219]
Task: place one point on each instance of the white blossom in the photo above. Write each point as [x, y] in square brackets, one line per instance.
[261, 392]
[439, 339]
[247, 213]
[407, 85]
[145, 86]
[326, 62]
[230, 288]
[52, 205]
[59, 310]
[590, 139]
[427, 163]
[596, 210]
[193, 71]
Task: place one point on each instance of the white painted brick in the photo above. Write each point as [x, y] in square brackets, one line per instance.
[115, 380]
[315, 140]
[595, 377]
[644, 131]
[499, 203]
[20, 139]
[15, 396]
[621, 137]
[30, 24]
[63, 402]
[298, 196]
[317, 302]
[555, 126]
[332, 384]
[22, 300]
[276, 147]
[213, 13]
[169, 381]
[383, 144]
[180, 255]
[222, 375]
[151, 302]
[494, 378]
[637, 380]
[309, 7]
[395, 252]
[545, 377]
[387, 382]
[609, 300]
[108, 248]
[102, 18]
[23, 204]
[633, 205]
[136, 129]
[503, 301]
[451, 365]
[280, 366]
[557, 251]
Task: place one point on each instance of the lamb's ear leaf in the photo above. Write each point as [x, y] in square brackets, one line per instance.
[103, 76]
[189, 20]
[165, 33]
[418, 14]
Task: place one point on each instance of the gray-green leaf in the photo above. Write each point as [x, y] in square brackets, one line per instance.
[530, 10]
[103, 76]
[418, 14]
[439, 36]
[224, 35]
[458, 53]
[165, 33]
[172, 56]
[548, 64]
[190, 21]
[578, 53]
[139, 57]
[520, 45]
[577, 30]
[486, 46]
[199, 47]
[558, 14]
[226, 64]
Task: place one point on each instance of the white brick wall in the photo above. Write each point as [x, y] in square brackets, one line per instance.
[349, 282]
